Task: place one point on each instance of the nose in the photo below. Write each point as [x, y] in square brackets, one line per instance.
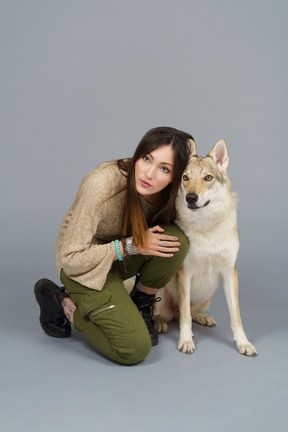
[191, 198]
[149, 172]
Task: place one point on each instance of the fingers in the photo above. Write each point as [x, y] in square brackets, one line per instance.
[166, 245]
[166, 237]
[157, 228]
[162, 245]
[165, 254]
[164, 249]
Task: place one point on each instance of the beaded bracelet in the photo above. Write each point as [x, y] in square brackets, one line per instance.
[117, 247]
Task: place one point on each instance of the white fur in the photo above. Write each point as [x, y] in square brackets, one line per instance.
[213, 249]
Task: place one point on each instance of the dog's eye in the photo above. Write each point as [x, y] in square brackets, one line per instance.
[208, 178]
[185, 177]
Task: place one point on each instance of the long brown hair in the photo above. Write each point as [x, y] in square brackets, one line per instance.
[134, 220]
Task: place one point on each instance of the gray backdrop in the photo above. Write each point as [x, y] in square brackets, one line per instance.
[81, 82]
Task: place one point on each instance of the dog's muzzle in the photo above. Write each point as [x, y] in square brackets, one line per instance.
[192, 199]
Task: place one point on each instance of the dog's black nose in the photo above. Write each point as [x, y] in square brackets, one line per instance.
[191, 198]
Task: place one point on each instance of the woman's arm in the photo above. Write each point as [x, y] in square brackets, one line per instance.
[77, 254]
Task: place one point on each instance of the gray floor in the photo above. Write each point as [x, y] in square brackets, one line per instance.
[52, 385]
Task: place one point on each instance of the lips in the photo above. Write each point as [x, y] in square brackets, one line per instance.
[145, 184]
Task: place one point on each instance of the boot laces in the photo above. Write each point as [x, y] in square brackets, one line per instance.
[146, 306]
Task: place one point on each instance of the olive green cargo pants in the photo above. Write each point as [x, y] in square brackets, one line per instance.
[109, 319]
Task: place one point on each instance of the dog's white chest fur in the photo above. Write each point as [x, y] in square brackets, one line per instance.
[210, 253]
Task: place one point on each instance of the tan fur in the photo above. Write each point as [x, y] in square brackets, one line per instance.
[211, 226]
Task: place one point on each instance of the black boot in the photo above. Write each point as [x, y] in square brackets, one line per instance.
[144, 303]
[52, 317]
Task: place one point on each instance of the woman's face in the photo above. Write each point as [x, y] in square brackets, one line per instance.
[154, 171]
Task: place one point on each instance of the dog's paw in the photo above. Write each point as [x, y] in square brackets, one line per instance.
[160, 324]
[186, 347]
[247, 349]
[203, 319]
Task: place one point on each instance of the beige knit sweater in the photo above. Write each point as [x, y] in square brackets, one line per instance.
[85, 247]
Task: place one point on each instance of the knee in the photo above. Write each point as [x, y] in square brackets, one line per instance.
[174, 230]
[135, 348]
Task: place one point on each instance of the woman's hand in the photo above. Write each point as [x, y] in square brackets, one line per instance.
[158, 244]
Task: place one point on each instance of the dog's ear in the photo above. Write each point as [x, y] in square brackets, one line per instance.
[192, 146]
[219, 154]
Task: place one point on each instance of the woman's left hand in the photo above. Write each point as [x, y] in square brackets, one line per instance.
[158, 244]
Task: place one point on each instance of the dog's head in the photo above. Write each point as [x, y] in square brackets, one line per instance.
[204, 180]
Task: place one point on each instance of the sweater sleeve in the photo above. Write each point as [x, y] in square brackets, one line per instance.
[81, 259]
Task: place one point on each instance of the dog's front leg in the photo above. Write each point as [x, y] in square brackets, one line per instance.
[185, 343]
[230, 282]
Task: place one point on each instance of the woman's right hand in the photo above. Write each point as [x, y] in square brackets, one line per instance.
[158, 244]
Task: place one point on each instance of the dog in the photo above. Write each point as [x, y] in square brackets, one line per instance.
[207, 213]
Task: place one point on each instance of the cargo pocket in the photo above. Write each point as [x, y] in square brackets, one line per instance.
[93, 303]
[100, 308]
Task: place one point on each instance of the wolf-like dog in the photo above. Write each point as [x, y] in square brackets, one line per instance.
[206, 212]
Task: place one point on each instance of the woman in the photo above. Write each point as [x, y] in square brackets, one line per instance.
[112, 232]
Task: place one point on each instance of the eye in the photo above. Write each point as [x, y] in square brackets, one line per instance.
[185, 177]
[208, 177]
[146, 158]
[165, 170]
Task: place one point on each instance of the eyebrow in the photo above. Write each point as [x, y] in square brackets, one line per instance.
[163, 163]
